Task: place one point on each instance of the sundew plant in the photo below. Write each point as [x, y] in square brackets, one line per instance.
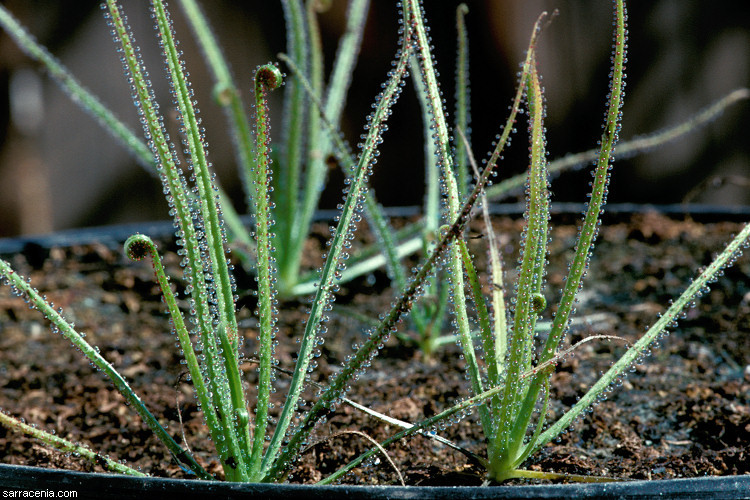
[509, 376]
[509, 381]
[247, 447]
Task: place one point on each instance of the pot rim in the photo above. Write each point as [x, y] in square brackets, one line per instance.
[104, 484]
[113, 235]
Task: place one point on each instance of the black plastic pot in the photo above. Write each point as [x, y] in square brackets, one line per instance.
[117, 234]
[108, 486]
[51, 483]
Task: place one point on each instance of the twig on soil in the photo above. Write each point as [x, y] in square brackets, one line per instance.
[398, 423]
[368, 438]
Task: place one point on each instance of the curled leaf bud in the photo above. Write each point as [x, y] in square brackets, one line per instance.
[243, 417]
[268, 77]
[538, 303]
[139, 246]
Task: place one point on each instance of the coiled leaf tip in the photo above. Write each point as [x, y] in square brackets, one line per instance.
[268, 76]
[138, 246]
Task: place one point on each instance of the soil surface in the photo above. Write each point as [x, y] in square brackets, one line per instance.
[683, 412]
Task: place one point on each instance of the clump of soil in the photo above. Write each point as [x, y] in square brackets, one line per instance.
[685, 411]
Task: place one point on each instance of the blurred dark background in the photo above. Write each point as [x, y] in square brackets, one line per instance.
[58, 169]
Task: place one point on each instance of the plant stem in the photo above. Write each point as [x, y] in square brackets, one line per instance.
[506, 442]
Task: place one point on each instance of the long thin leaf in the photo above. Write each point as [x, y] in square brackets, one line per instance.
[697, 288]
[225, 92]
[66, 446]
[61, 325]
[337, 253]
[177, 195]
[267, 78]
[528, 287]
[323, 141]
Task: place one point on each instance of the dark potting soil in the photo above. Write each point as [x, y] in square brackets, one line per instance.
[683, 412]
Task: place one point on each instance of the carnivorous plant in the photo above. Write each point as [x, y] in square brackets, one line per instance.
[511, 383]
